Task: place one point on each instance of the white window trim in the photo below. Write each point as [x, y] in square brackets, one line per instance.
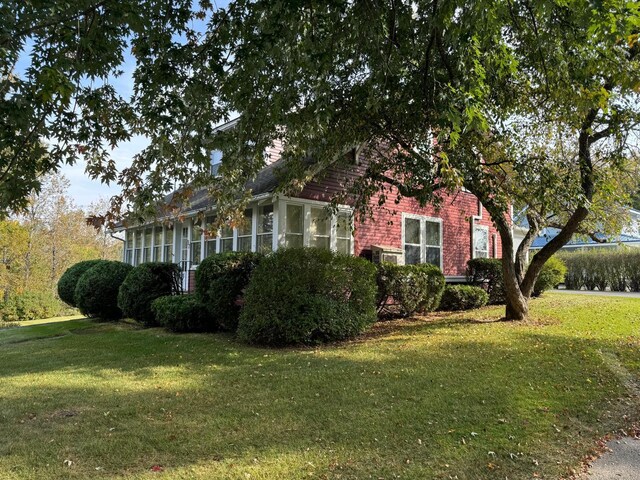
[473, 240]
[307, 205]
[423, 245]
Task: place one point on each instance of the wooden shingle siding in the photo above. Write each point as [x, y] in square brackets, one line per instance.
[456, 212]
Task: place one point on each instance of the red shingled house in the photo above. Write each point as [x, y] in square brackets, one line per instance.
[461, 229]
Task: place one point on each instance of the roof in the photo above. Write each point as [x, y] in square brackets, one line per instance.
[266, 181]
[549, 233]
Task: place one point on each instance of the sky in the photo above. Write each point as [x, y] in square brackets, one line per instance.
[84, 190]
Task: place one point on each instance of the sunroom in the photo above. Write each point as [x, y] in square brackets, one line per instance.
[268, 224]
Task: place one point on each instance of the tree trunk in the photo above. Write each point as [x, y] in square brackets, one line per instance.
[517, 308]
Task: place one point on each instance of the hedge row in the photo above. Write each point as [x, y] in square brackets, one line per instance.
[487, 274]
[404, 290]
[29, 306]
[617, 270]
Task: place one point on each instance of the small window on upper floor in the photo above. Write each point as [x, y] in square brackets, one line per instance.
[216, 160]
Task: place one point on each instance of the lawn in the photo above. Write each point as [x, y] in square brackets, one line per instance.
[447, 396]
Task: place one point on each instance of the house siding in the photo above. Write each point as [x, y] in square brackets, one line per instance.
[458, 212]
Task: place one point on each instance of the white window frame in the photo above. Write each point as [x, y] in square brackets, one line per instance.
[423, 232]
[306, 231]
[473, 240]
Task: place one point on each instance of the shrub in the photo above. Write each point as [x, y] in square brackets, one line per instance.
[29, 306]
[308, 296]
[463, 297]
[220, 281]
[601, 268]
[69, 279]
[407, 289]
[551, 275]
[182, 313]
[143, 285]
[487, 273]
[96, 293]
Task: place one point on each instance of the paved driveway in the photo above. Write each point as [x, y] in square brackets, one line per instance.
[621, 463]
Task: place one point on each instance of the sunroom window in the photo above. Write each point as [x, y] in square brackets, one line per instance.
[264, 240]
[146, 253]
[196, 238]
[137, 254]
[294, 232]
[422, 241]
[157, 243]
[184, 245]
[480, 241]
[226, 239]
[320, 229]
[244, 232]
[168, 245]
[211, 239]
[128, 256]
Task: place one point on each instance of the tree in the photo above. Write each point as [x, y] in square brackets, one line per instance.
[58, 64]
[435, 95]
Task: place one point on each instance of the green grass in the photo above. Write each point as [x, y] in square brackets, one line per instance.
[442, 397]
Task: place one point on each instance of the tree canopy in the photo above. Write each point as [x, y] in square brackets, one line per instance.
[534, 103]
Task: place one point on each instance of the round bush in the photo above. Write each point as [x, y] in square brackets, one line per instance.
[182, 313]
[69, 280]
[220, 281]
[143, 285]
[96, 293]
[487, 273]
[551, 275]
[463, 297]
[308, 296]
[407, 289]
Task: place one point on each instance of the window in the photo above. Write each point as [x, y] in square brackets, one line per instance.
[422, 241]
[211, 240]
[196, 239]
[412, 241]
[146, 251]
[343, 234]
[226, 239]
[264, 240]
[168, 245]
[294, 231]
[138, 248]
[244, 232]
[320, 228]
[157, 243]
[432, 243]
[216, 160]
[128, 255]
[184, 245]
[480, 241]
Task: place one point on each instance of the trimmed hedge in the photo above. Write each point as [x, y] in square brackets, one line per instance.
[182, 313]
[96, 293]
[69, 280]
[143, 285]
[487, 274]
[220, 282]
[463, 297]
[551, 275]
[602, 269]
[29, 306]
[308, 296]
[404, 290]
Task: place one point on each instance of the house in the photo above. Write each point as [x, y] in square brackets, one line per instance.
[629, 237]
[447, 237]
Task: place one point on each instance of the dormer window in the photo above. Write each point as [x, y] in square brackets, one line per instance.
[216, 160]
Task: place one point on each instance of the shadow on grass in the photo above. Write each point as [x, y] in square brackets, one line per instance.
[419, 398]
